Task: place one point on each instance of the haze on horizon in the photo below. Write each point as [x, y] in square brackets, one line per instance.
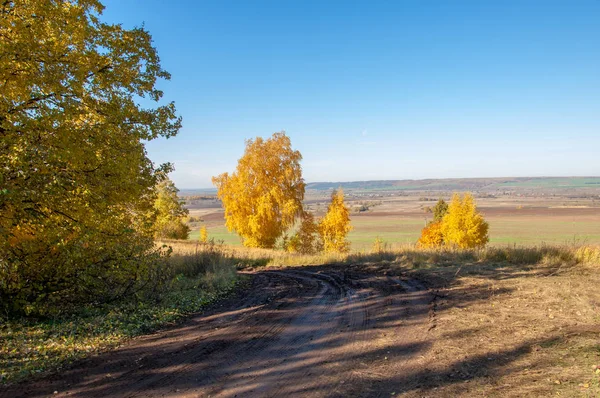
[380, 90]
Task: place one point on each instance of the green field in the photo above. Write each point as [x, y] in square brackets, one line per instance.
[503, 230]
[219, 233]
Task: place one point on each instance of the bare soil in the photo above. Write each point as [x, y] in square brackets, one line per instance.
[364, 331]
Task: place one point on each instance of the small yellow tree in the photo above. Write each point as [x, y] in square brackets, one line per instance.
[305, 240]
[203, 237]
[431, 236]
[463, 226]
[263, 197]
[379, 245]
[335, 225]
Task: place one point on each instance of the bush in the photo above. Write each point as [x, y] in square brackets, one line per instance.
[431, 236]
[379, 246]
[44, 275]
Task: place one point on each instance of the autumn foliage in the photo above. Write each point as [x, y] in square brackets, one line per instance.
[306, 240]
[431, 235]
[463, 226]
[458, 225]
[169, 212]
[335, 225]
[76, 186]
[203, 236]
[263, 197]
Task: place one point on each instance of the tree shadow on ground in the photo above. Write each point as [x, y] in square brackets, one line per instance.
[324, 331]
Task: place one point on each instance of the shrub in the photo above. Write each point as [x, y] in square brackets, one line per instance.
[431, 236]
[379, 246]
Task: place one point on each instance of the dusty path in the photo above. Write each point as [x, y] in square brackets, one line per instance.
[317, 333]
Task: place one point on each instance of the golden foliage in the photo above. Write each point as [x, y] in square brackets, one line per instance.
[306, 239]
[75, 174]
[264, 195]
[379, 245]
[203, 237]
[431, 236]
[463, 226]
[169, 212]
[335, 225]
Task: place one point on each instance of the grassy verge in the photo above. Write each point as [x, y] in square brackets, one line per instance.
[32, 346]
[411, 256]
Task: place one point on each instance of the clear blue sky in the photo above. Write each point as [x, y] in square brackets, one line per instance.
[380, 90]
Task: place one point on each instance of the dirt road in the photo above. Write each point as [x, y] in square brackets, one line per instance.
[318, 332]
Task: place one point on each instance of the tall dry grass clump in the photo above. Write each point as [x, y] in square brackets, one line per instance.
[588, 255]
[215, 262]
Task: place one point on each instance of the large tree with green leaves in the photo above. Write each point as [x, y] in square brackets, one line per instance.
[75, 179]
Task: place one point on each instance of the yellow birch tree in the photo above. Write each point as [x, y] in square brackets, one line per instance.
[203, 237]
[264, 195]
[463, 226]
[335, 225]
[306, 239]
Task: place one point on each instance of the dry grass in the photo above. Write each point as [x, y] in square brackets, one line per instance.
[513, 331]
[405, 255]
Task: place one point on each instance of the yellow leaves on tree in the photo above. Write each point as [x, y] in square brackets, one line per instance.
[306, 239]
[170, 213]
[203, 236]
[335, 225]
[74, 168]
[463, 226]
[431, 235]
[458, 224]
[264, 195]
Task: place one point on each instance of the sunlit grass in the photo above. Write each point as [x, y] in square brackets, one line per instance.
[412, 256]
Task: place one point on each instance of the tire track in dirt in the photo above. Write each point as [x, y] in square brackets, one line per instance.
[301, 332]
[340, 301]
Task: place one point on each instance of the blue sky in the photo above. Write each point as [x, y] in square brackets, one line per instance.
[380, 90]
